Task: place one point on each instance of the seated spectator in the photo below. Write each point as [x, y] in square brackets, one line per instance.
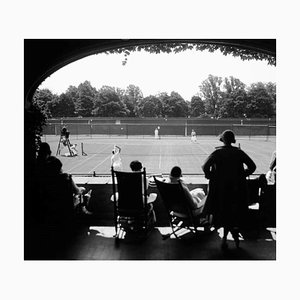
[60, 194]
[44, 153]
[136, 166]
[196, 197]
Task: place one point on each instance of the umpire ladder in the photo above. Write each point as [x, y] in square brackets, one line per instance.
[66, 142]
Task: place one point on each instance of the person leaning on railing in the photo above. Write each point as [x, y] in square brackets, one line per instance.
[227, 192]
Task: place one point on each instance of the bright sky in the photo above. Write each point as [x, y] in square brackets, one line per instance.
[154, 73]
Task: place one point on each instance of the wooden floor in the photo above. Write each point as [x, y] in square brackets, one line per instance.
[98, 243]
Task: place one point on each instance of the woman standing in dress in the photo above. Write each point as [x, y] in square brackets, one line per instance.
[227, 194]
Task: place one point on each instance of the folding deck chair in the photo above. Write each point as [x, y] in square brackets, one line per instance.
[131, 211]
[181, 216]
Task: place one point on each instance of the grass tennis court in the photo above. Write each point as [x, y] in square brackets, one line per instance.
[158, 156]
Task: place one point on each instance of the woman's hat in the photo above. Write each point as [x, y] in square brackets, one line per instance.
[227, 136]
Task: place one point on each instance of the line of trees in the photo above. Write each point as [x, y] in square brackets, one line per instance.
[217, 98]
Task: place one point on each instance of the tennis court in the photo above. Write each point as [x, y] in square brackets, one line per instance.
[157, 155]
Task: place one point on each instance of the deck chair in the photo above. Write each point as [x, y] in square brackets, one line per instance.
[131, 211]
[256, 190]
[255, 187]
[180, 214]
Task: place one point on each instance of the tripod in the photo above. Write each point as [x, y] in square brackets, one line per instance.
[66, 142]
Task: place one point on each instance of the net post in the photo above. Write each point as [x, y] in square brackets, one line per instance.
[268, 132]
[250, 127]
[82, 152]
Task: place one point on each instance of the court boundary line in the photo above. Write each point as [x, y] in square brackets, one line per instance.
[92, 170]
[202, 149]
[85, 160]
[81, 162]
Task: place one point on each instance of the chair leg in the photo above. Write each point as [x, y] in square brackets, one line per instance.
[174, 231]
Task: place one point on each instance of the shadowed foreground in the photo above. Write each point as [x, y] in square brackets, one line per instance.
[93, 237]
[98, 243]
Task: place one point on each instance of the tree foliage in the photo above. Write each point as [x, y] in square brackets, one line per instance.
[85, 101]
[217, 98]
[150, 106]
[175, 106]
[260, 102]
[177, 47]
[109, 103]
[62, 106]
[35, 119]
[210, 90]
[132, 99]
[271, 89]
[43, 99]
[234, 99]
[197, 107]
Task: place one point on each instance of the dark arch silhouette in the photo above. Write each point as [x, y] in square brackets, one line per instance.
[44, 57]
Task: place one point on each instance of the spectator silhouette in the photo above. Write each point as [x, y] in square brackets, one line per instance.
[227, 193]
[196, 197]
[44, 153]
[136, 166]
[59, 194]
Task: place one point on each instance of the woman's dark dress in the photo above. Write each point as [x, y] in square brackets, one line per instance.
[227, 192]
